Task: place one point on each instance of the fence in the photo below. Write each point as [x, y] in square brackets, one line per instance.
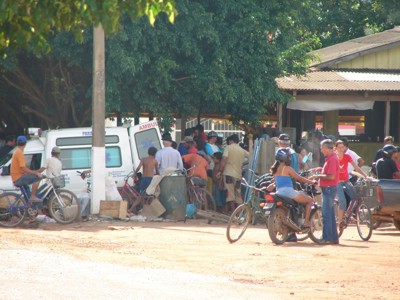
[266, 156]
[220, 126]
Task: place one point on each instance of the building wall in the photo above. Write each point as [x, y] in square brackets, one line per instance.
[386, 59]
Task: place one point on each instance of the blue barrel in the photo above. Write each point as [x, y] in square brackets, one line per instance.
[173, 197]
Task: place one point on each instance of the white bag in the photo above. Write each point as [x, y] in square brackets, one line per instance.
[112, 193]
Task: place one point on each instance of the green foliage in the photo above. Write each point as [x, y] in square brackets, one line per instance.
[29, 23]
[336, 21]
[220, 57]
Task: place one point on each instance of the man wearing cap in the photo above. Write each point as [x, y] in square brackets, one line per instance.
[189, 145]
[53, 164]
[284, 142]
[210, 146]
[20, 173]
[168, 157]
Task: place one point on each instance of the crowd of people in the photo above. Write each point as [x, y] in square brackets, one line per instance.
[205, 156]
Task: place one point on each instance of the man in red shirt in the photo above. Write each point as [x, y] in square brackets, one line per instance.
[328, 181]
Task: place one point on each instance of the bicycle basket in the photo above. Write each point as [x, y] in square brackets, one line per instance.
[58, 182]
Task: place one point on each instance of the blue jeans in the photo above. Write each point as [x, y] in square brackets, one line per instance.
[329, 229]
[340, 194]
[219, 195]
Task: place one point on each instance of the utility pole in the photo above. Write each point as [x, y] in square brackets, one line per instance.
[98, 123]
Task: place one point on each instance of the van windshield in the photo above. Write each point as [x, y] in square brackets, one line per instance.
[5, 159]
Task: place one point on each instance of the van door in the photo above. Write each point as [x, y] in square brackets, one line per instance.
[142, 137]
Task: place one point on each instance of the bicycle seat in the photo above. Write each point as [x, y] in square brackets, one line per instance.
[197, 181]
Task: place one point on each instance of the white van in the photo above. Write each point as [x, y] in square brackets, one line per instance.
[124, 146]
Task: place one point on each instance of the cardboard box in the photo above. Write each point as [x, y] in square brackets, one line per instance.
[114, 209]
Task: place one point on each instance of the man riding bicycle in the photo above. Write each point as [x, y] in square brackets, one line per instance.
[21, 174]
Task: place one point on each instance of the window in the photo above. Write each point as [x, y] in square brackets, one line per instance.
[80, 158]
[85, 140]
[145, 140]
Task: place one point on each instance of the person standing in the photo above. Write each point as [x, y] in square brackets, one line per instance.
[9, 145]
[386, 167]
[168, 157]
[231, 169]
[388, 140]
[211, 146]
[328, 181]
[284, 142]
[150, 168]
[356, 159]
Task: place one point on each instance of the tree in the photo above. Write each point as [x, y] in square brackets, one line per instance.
[219, 57]
[28, 24]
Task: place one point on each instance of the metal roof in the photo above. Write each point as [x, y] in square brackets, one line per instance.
[341, 81]
[357, 47]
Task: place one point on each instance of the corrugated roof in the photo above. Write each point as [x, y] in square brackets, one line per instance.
[357, 47]
[341, 81]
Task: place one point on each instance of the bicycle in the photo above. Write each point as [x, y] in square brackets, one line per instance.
[132, 195]
[358, 212]
[245, 212]
[197, 194]
[62, 204]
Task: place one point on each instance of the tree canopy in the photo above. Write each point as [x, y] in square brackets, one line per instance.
[219, 57]
[29, 23]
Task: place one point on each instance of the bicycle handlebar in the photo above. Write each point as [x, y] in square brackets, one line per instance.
[245, 183]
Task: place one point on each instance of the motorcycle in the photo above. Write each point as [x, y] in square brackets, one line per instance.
[286, 217]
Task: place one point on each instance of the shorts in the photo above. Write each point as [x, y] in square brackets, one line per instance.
[144, 183]
[287, 192]
[26, 179]
[233, 192]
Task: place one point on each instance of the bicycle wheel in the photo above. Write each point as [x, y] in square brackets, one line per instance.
[64, 206]
[278, 231]
[315, 232]
[13, 209]
[364, 222]
[238, 222]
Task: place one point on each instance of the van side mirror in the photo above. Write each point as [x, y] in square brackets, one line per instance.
[5, 171]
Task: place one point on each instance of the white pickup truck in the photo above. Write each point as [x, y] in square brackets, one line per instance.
[124, 146]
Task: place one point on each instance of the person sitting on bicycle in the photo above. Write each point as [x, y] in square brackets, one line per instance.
[21, 174]
[284, 174]
[344, 160]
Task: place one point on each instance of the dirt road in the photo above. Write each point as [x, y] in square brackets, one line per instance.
[192, 260]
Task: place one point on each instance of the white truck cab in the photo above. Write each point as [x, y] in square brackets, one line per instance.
[124, 146]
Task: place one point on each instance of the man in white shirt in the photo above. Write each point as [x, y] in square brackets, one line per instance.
[53, 164]
[168, 157]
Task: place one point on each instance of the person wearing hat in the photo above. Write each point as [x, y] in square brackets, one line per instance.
[189, 145]
[168, 157]
[284, 142]
[386, 167]
[20, 173]
[210, 146]
[53, 164]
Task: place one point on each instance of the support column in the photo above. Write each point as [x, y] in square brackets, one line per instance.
[331, 122]
[386, 128]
